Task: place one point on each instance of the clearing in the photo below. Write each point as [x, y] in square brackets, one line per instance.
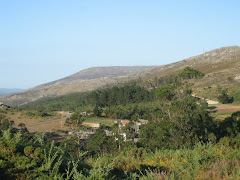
[222, 111]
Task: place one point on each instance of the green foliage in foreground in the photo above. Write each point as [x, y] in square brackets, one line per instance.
[22, 157]
[181, 141]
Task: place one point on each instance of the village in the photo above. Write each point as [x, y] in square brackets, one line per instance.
[86, 135]
[84, 132]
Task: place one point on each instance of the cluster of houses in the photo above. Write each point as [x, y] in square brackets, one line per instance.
[136, 124]
[87, 134]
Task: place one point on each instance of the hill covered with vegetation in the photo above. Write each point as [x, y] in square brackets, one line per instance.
[83, 81]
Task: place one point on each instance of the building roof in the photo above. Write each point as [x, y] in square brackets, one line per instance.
[124, 122]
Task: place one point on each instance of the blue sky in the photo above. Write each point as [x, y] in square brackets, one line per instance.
[41, 41]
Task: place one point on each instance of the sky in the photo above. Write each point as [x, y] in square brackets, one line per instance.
[45, 40]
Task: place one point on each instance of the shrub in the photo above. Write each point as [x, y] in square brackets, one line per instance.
[190, 73]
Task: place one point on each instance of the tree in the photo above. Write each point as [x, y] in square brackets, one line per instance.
[224, 98]
[130, 130]
[4, 122]
[190, 73]
[75, 120]
[156, 135]
[97, 111]
[23, 128]
[21, 125]
[230, 126]
[165, 92]
[98, 142]
[179, 122]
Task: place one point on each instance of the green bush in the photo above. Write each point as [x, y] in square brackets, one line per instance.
[190, 73]
[224, 98]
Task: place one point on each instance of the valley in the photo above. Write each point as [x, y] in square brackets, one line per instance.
[119, 90]
[178, 120]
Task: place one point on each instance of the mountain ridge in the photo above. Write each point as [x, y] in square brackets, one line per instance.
[100, 72]
[84, 80]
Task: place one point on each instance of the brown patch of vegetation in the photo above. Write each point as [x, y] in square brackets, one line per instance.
[223, 111]
[19, 117]
[47, 127]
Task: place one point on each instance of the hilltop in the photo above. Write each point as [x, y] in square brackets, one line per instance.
[215, 61]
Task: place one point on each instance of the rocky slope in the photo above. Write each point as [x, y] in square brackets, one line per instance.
[215, 61]
[221, 67]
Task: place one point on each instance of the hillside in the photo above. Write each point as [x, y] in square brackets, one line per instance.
[225, 59]
[221, 67]
[85, 80]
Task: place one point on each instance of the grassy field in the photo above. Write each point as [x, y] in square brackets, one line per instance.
[223, 110]
[21, 117]
[212, 91]
[103, 121]
[59, 125]
[47, 127]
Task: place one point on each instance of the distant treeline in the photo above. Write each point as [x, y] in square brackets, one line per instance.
[101, 98]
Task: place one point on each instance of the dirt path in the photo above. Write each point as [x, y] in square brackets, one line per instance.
[209, 101]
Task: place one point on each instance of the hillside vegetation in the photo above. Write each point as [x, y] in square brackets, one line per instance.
[83, 81]
[121, 95]
[180, 141]
[220, 66]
